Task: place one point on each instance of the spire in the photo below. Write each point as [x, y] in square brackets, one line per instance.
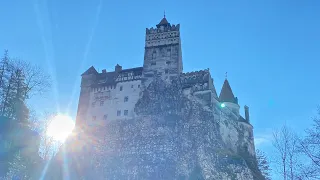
[164, 21]
[226, 94]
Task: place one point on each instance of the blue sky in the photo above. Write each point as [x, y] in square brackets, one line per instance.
[270, 48]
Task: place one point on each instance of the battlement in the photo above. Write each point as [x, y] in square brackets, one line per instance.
[169, 28]
[194, 77]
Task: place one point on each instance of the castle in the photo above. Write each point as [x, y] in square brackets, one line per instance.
[111, 96]
[159, 122]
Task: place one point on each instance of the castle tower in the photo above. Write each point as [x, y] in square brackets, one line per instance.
[228, 99]
[84, 100]
[162, 57]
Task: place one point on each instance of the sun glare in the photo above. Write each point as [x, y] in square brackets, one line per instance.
[60, 127]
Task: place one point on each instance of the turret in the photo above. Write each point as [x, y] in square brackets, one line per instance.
[228, 99]
[118, 68]
[162, 57]
[246, 112]
[87, 78]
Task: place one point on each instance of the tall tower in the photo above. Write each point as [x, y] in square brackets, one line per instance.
[162, 57]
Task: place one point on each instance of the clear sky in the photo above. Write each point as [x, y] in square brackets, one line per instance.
[270, 48]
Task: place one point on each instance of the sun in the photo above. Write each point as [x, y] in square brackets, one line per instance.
[60, 127]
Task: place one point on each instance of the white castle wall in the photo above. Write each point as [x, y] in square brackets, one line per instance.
[113, 101]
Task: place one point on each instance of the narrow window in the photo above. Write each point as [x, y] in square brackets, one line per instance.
[166, 71]
[154, 54]
[121, 88]
[101, 103]
[118, 113]
[139, 86]
[105, 117]
[168, 62]
[126, 112]
[126, 99]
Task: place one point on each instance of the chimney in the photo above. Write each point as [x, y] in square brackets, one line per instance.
[104, 71]
[118, 68]
[246, 111]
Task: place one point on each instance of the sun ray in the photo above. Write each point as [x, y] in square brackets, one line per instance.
[86, 52]
[47, 44]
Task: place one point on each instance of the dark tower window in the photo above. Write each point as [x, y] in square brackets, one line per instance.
[121, 88]
[126, 112]
[154, 55]
[126, 99]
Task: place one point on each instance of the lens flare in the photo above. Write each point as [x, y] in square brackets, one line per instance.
[60, 127]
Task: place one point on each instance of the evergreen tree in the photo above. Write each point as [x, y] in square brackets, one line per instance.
[19, 145]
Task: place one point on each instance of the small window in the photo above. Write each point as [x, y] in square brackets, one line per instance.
[154, 54]
[166, 71]
[168, 62]
[118, 113]
[101, 103]
[126, 99]
[131, 86]
[105, 117]
[126, 112]
[94, 118]
[139, 86]
[121, 88]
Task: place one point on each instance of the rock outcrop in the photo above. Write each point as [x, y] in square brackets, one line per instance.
[173, 136]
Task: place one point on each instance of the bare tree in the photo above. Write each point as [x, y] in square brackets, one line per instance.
[18, 81]
[310, 146]
[47, 145]
[286, 144]
[263, 164]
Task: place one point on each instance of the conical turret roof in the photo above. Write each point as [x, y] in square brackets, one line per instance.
[226, 94]
[163, 22]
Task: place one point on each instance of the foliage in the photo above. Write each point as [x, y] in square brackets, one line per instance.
[18, 81]
[19, 144]
[17, 169]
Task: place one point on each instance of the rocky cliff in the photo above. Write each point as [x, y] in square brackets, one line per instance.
[173, 136]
